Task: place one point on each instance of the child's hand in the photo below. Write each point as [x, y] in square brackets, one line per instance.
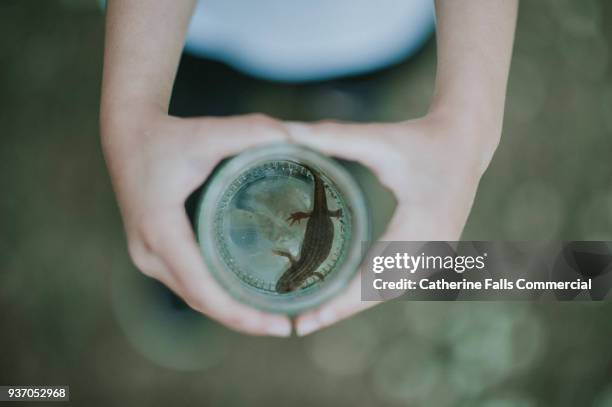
[155, 162]
[432, 165]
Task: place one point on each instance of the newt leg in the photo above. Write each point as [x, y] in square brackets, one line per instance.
[288, 255]
[297, 217]
[335, 214]
[317, 274]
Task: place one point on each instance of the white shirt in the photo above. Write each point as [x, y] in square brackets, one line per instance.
[302, 40]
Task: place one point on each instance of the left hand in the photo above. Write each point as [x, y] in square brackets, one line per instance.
[433, 166]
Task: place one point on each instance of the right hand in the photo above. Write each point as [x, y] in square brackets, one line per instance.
[432, 165]
[156, 162]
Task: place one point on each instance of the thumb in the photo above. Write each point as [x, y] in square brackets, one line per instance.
[224, 136]
[209, 140]
[356, 142]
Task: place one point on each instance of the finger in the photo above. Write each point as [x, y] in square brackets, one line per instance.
[358, 142]
[342, 307]
[180, 252]
[364, 143]
[230, 135]
[412, 223]
[151, 265]
[211, 140]
[157, 270]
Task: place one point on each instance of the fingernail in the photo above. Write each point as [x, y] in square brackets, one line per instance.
[307, 327]
[327, 316]
[279, 328]
[251, 323]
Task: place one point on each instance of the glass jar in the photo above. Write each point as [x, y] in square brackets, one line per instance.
[281, 227]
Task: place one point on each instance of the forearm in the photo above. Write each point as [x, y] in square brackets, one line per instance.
[474, 39]
[144, 40]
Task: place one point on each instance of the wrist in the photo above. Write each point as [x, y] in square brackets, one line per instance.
[471, 105]
[480, 116]
[119, 117]
[474, 133]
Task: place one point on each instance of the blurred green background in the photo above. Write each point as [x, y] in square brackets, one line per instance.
[73, 310]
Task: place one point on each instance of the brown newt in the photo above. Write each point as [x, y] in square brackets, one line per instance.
[317, 243]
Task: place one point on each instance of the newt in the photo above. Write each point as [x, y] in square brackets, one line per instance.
[317, 243]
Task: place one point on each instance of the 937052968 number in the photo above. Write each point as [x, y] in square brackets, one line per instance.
[32, 393]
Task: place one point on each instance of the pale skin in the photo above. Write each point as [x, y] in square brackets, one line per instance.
[432, 164]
